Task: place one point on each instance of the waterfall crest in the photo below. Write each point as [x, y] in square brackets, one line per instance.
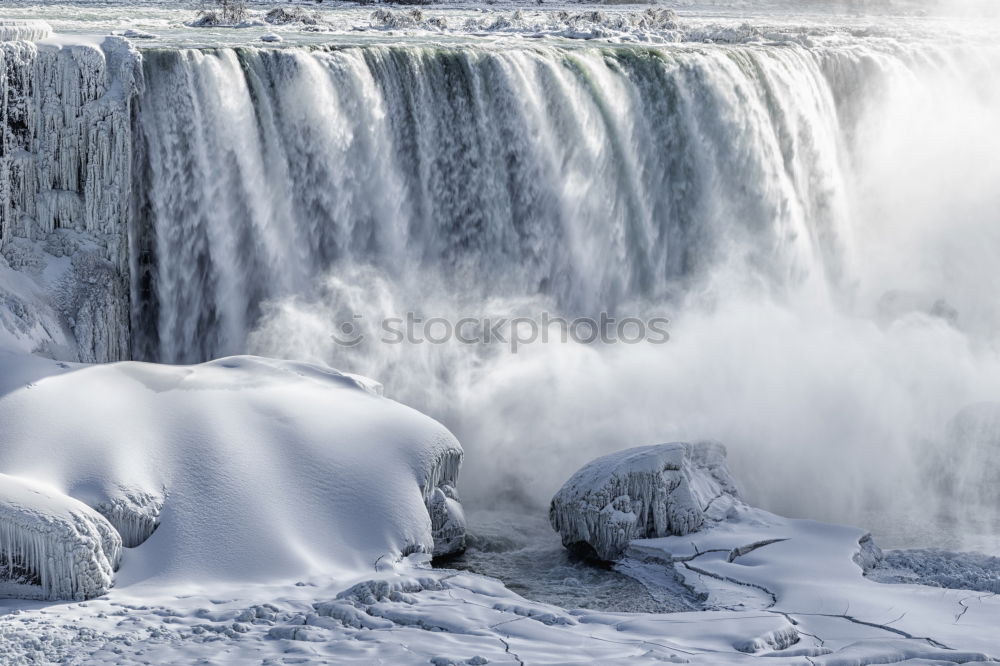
[592, 177]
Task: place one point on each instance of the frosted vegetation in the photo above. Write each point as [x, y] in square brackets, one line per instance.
[778, 180]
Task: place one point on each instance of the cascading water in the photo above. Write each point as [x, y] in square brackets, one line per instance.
[593, 177]
[796, 211]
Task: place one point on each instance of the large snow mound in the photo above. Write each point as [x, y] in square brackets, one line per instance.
[52, 546]
[248, 469]
[644, 492]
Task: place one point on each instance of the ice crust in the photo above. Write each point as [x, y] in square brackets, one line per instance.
[644, 492]
[53, 546]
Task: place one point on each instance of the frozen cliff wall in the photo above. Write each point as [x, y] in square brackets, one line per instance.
[645, 492]
[65, 174]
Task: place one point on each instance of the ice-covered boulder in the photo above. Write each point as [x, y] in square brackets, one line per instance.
[51, 545]
[645, 492]
[447, 517]
[133, 512]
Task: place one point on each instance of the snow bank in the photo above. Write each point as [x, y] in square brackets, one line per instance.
[52, 546]
[650, 491]
[242, 469]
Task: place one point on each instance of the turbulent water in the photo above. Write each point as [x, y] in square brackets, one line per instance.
[818, 221]
[592, 177]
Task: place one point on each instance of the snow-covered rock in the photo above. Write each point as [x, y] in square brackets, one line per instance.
[52, 546]
[134, 513]
[645, 492]
[132, 33]
[242, 469]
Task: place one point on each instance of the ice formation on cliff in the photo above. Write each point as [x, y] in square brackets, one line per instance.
[644, 492]
[65, 166]
[52, 546]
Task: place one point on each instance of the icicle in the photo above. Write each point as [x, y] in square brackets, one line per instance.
[65, 163]
[29, 30]
[441, 497]
[51, 545]
[134, 513]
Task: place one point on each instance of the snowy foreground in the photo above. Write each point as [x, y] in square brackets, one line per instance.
[215, 584]
[285, 498]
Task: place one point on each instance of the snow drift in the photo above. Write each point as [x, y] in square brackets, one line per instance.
[242, 469]
[52, 546]
[645, 492]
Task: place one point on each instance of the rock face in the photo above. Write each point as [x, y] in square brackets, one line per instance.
[53, 546]
[645, 492]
